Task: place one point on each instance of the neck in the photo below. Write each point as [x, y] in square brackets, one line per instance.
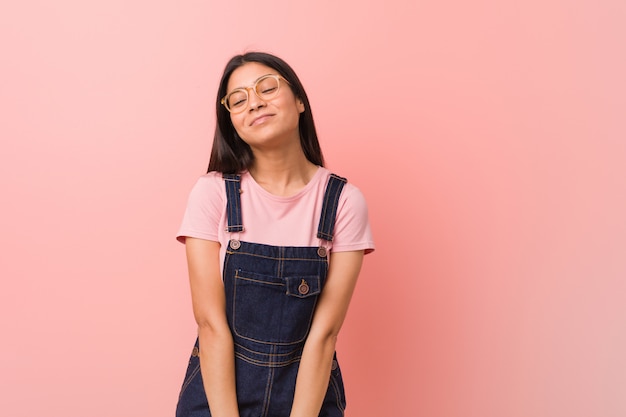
[282, 172]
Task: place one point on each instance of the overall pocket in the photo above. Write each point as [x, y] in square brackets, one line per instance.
[271, 309]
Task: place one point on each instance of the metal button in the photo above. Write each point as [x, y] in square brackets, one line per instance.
[321, 251]
[235, 244]
[335, 365]
[195, 351]
[303, 288]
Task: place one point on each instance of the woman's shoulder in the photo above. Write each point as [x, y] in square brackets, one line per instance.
[213, 176]
[208, 186]
[349, 188]
[210, 180]
[352, 229]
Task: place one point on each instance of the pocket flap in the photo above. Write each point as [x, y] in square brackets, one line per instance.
[303, 286]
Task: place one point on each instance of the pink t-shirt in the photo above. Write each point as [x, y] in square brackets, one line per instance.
[275, 220]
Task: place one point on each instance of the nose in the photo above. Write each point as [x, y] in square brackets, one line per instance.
[254, 101]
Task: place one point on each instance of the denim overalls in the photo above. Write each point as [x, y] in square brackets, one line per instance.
[271, 293]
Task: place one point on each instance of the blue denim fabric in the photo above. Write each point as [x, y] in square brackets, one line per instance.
[271, 294]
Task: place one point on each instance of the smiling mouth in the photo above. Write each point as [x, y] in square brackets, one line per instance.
[260, 119]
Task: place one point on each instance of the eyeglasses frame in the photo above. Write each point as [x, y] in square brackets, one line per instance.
[252, 87]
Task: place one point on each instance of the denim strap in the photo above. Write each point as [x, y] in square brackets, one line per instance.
[233, 203]
[326, 225]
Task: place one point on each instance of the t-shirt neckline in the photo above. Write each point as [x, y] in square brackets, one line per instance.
[286, 199]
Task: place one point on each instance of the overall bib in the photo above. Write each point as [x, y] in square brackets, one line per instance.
[271, 294]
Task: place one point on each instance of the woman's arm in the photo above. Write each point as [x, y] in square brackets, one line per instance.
[217, 358]
[317, 357]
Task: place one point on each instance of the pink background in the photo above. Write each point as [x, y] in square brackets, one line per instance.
[489, 139]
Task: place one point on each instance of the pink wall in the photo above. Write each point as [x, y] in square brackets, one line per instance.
[488, 137]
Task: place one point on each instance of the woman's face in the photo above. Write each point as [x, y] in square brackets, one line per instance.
[265, 123]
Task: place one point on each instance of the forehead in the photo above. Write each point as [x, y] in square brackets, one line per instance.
[247, 74]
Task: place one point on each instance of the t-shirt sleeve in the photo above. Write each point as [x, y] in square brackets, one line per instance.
[352, 228]
[205, 208]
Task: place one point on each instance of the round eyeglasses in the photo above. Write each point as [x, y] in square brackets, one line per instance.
[266, 88]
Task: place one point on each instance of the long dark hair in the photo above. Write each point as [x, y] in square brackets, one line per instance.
[230, 154]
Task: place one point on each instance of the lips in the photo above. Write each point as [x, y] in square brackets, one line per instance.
[260, 119]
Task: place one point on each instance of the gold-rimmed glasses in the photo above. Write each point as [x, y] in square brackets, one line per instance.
[266, 88]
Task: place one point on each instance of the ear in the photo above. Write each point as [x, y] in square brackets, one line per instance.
[300, 105]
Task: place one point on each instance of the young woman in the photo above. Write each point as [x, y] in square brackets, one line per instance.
[274, 246]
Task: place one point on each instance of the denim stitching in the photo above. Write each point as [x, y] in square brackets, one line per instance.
[267, 364]
[333, 383]
[333, 214]
[268, 392]
[322, 224]
[188, 380]
[293, 352]
[233, 202]
[238, 252]
[259, 281]
[329, 207]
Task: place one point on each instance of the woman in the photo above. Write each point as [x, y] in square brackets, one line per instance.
[274, 245]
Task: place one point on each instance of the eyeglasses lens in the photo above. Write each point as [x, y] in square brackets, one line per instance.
[265, 88]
